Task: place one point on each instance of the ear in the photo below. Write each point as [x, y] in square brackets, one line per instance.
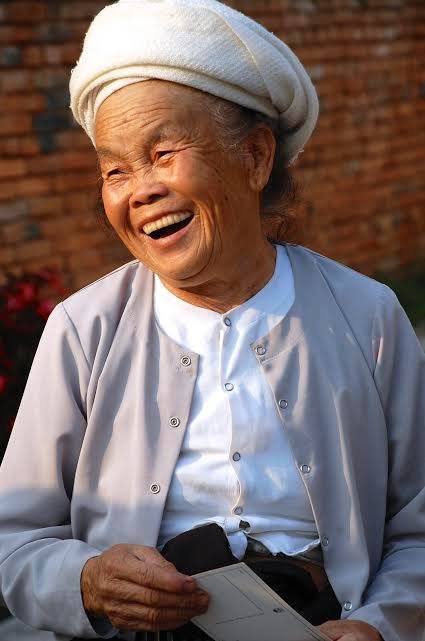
[261, 144]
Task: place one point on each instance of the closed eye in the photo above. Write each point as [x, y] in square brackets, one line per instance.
[165, 152]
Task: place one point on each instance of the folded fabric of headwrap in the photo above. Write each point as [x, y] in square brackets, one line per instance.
[203, 44]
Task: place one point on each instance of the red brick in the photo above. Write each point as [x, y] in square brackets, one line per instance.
[32, 56]
[19, 11]
[11, 34]
[16, 80]
[73, 139]
[35, 186]
[18, 102]
[12, 168]
[14, 124]
[45, 205]
[22, 146]
[69, 181]
[13, 233]
[7, 255]
[33, 249]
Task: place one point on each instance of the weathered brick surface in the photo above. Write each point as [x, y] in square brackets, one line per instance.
[363, 172]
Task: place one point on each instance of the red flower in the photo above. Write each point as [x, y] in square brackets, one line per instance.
[15, 303]
[26, 292]
[3, 383]
[45, 308]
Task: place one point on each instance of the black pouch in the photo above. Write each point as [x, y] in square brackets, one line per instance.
[203, 548]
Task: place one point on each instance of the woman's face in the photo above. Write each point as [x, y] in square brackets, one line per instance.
[183, 206]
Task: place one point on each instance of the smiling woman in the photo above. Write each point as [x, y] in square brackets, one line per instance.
[159, 157]
[224, 396]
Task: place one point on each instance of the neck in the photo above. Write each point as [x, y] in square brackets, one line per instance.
[239, 284]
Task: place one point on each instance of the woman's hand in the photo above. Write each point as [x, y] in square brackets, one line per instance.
[137, 589]
[350, 631]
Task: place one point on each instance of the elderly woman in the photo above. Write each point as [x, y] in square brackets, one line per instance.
[220, 377]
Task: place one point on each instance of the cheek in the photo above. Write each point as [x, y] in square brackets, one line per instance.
[115, 202]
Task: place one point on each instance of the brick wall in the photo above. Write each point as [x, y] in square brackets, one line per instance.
[362, 173]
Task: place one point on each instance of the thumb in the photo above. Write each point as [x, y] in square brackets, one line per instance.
[332, 630]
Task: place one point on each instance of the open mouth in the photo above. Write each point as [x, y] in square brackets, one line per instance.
[170, 229]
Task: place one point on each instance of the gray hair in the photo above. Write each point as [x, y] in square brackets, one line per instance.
[281, 194]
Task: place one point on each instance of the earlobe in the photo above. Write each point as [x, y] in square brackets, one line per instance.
[262, 152]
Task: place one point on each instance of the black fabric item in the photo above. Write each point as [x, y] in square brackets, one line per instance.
[292, 583]
[198, 550]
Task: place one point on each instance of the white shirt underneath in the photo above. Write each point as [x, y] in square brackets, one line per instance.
[235, 467]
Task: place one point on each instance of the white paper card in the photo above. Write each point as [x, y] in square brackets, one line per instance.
[244, 608]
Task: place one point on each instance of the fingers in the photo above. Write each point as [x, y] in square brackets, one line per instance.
[148, 568]
[331, 630]
[353, 630]
[133, 616]
[141, 595]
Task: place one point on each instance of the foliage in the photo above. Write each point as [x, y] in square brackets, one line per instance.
[25, 304]
[410, 289]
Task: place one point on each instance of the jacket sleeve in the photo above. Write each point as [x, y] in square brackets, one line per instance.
[395, 599]
[40, 561]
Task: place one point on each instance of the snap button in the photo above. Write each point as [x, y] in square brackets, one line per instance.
[238, 510]
[236, 456]
[283, 404]
[348, 606]
[305, 469]
[325, 541]
[155, 488]
[229, 387]
[186, 361]
[227, 321]
[174, 421]
[261, 350]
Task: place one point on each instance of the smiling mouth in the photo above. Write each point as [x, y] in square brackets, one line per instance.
[170, 229]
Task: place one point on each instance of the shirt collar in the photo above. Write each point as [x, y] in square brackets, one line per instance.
[195, 327]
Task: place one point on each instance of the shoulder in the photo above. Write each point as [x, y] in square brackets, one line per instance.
[363, 304]
[95, 311]
[360, 295]
[104, 294]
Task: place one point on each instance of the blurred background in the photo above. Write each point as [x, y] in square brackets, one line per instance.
[362, 174]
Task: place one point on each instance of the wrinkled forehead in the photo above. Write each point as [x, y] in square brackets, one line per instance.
[158, 107]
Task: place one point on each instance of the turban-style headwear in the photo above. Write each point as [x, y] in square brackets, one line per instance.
[200, 43]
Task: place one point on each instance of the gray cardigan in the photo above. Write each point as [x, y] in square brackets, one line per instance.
[96, 440]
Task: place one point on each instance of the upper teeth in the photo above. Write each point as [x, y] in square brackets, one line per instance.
[171, 219]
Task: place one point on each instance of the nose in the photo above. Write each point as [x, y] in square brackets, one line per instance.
[147, 192]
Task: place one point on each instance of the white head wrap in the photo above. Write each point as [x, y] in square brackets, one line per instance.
[200, 43]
